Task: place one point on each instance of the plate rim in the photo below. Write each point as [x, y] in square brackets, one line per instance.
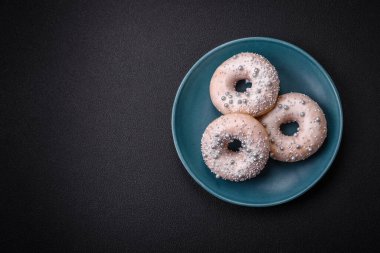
[174, 109]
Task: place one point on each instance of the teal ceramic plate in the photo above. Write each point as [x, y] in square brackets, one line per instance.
[279, 182]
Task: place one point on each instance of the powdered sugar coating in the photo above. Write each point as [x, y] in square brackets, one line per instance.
[249, 160]
[311, 133]
[254, 68]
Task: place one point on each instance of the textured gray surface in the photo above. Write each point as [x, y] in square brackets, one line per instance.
[88, 160]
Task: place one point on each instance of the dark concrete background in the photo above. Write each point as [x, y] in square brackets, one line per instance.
[88, 163]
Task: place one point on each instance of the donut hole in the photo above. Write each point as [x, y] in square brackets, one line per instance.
[242, 85]
[289, 128]
[234, 145]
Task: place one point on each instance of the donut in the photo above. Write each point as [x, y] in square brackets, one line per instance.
[256, 100]
[311, 131]
[244, 162]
